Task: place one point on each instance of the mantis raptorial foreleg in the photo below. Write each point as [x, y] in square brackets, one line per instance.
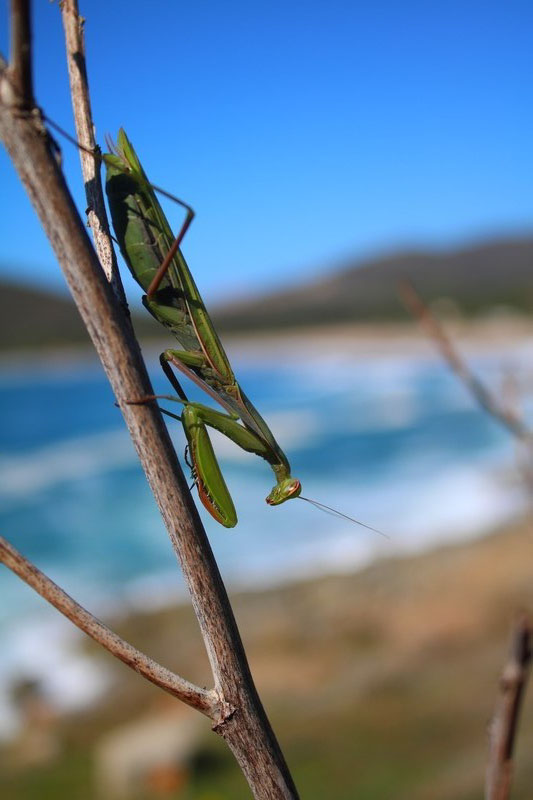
[207, 475]
[195, 418]
[223, 423]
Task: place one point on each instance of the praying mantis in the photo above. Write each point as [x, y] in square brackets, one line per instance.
[153, 256]
[155, 260]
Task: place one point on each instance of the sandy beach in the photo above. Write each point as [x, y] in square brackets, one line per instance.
[378, 339]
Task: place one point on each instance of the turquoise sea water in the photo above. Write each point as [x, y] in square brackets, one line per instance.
[394, 441]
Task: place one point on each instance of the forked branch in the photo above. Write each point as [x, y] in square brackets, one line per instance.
[243, 722]
[201, 699]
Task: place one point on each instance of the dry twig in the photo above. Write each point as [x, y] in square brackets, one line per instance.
[201, 699]
[90, 164]
[504, 723]
[21, 56]
[502, 413]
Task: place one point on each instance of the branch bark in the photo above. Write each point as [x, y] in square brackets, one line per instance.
[89, 152]
[201, 699]
[21, 75]
[505, 721]
[243, 722]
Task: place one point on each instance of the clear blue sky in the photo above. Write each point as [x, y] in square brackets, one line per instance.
[301, 132]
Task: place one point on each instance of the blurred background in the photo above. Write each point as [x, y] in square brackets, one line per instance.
[329, 152]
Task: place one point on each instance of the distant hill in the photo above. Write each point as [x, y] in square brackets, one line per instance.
[476, 278]
[38, 318]
[34, 318]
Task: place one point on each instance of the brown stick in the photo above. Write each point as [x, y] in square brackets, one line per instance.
[505, 721]
[201, 699]
[243, 722]
[511, 421]
[21, 74]
[510, 395]
[90, 164]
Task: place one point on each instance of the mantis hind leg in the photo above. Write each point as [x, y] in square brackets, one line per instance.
[171, 414]
[167, 369]
[186, 362]
[182, 360]
[163, 269]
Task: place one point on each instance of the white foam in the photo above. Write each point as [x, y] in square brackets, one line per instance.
[419, 495]
[46, 650]
[293, 428]
[66, 461]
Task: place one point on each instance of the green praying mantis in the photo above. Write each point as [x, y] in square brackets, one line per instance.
[153, 256]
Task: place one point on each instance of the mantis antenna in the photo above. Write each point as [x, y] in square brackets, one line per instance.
[333, 511]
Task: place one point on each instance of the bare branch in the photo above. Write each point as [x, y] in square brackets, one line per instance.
[504, 724]
[502, 413]
[201, 699]
[510, 394]
[20, 67]
[90, 164]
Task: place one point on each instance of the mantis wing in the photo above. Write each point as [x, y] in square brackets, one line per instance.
[145, 239]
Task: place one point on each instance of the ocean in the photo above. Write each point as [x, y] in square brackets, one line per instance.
[393, 440]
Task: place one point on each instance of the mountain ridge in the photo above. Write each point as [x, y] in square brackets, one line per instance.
[477, 277]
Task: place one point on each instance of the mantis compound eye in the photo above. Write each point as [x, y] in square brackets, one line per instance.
[295, 489]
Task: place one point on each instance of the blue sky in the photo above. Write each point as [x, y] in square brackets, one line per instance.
[302, 133]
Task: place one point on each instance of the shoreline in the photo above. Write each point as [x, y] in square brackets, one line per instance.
[359, 339]
[406, 639]
[142, 609]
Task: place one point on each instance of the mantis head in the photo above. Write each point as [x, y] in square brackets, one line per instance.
[285, 490]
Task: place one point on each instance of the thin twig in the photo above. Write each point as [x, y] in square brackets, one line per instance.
[504, 415]
[504, 723]
[90, 165]
[201, 699]
[21, 69]
[243, 722]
